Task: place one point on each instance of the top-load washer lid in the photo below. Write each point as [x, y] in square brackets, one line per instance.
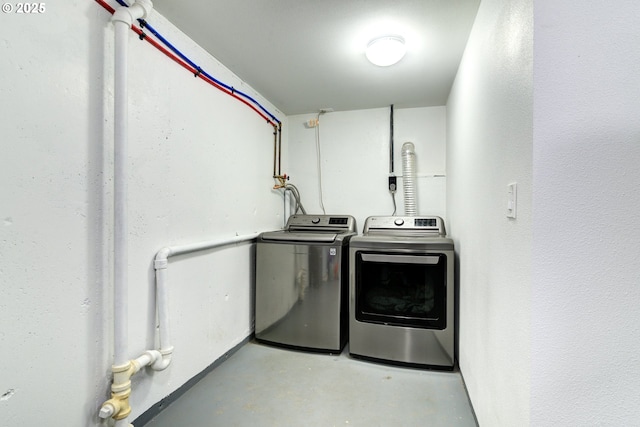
[419, 226]
[292, 236]
[314, 229]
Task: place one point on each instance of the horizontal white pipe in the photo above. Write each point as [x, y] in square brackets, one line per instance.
[145, 359]
[162, 291]
[167, 252]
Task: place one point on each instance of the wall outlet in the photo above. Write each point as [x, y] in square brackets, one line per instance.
[512, 199]
[393, 184]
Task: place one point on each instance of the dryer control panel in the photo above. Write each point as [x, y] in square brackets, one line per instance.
[405, 225]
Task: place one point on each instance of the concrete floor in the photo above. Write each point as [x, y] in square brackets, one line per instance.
[261, 385]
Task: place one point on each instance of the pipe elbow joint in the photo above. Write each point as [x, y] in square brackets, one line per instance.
[122, 14]
[148, 358]
[138, 10]
[147, 5]
[162, 260]
[163, 362]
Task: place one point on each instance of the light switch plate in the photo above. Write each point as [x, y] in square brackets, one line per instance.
[512, 199]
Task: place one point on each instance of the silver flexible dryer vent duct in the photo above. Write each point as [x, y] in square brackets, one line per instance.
[409, 179]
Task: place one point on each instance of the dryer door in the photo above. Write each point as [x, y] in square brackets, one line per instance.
[401, 289]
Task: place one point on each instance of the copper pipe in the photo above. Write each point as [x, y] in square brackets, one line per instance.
[275, 150]
[279, 146]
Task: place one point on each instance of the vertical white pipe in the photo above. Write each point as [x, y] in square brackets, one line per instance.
[121, 253]
[162, 294]
[122, 20]
[121, 257]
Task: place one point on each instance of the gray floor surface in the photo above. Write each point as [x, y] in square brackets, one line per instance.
[261, 385]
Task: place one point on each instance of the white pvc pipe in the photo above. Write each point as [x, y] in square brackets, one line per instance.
[195, 247]
[162, 293]
[122, 20]
[120, 194]
[121, 258]
[162, 304]
[149, 357]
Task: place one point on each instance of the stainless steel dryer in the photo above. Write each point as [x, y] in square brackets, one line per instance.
[302, 283]
[402, 292]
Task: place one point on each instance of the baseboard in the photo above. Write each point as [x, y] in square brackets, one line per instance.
[466, 390]
[155, 410]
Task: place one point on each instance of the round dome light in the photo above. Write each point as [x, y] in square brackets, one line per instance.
[385, 51]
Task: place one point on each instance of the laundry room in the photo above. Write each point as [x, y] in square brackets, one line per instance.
[135, 185]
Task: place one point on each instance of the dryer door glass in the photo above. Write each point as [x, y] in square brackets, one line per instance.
[401, 289]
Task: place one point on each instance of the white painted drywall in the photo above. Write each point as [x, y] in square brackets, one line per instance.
[201, 169]
[586, 198]
[489, 146]
[354, 147]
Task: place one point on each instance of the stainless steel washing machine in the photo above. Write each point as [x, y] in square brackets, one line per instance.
[402, 292]
[302, 283]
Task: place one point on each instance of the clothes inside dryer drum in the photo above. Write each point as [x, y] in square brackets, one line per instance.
[382, 301]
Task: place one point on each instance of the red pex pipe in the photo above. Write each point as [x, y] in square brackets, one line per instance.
[186, 66]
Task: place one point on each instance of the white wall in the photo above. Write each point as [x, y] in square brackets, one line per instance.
[354, 149]
[489, 146]
[201, 169]
[586, 198]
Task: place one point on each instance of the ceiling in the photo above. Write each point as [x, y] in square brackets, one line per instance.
[306, 55]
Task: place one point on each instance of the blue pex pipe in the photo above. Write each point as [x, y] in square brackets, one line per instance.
[145, 24]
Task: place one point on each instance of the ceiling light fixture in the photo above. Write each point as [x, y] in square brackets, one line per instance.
[385, 51]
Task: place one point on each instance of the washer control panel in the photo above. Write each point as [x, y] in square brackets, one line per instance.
[338, 223]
